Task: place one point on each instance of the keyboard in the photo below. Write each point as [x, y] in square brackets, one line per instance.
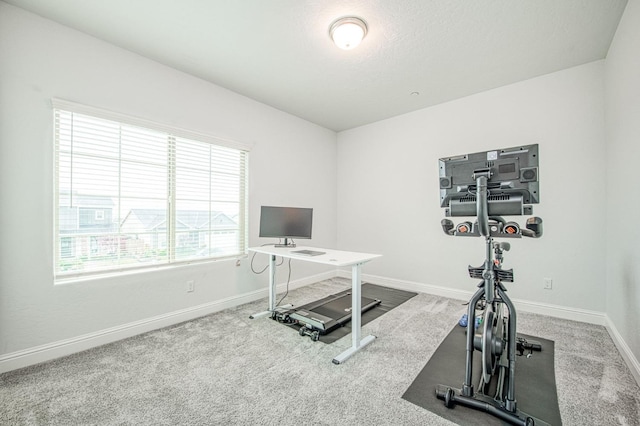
[308, 252]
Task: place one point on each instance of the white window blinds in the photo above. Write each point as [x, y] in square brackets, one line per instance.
[132, 194]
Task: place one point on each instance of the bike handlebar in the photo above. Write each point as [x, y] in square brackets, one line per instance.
[497, 228]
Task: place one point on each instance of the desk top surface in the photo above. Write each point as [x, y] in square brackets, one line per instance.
[330, 256]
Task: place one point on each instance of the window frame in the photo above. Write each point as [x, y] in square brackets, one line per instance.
[66, 253]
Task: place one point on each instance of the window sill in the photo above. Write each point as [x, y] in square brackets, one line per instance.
[119, 273]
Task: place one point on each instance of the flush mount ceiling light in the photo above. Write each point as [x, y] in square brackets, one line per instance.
[348, 32]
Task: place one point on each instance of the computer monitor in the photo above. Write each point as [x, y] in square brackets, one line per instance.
[285, 222]
[513, 181]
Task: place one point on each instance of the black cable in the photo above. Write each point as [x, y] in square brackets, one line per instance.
[288, 281]
[266, 267]
[253, 270]
[274, 271]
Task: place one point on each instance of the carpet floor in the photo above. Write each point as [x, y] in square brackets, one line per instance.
[227, 369]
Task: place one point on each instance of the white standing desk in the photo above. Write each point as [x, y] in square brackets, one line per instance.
[331, 257]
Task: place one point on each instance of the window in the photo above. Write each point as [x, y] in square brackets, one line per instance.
[134, 194]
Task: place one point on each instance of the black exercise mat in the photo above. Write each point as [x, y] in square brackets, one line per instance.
[390, 298]
[536, 392]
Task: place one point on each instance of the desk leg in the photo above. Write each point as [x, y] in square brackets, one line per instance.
[272, 290]
[272, 283]
[356, 318]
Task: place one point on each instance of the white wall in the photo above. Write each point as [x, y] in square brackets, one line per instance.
[292, 163]
[623, 181]
[386, 200]
[388, 197]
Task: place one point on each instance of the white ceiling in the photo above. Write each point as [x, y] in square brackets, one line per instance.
[279, 52]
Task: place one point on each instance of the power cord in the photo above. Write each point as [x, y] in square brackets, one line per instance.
[266, 267]
[288, 280]
[274, 272]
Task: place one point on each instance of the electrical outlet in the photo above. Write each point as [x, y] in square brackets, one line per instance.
[548, 284]
[191, 286]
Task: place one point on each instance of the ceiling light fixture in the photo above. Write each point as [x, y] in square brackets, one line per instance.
[348, 32]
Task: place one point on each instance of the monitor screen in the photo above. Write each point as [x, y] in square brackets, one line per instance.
[513, 181]
[285, 222]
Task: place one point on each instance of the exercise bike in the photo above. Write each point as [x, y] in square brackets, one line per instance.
[494, 191]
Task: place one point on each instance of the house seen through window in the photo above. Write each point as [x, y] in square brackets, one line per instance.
[134, 196]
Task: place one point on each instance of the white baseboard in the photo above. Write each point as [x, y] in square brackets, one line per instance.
[50, 351]
[574, 314]
[411, 286]
[582, 315]
[625, 351]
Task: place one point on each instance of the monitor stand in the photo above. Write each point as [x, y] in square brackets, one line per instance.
[287, 243]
